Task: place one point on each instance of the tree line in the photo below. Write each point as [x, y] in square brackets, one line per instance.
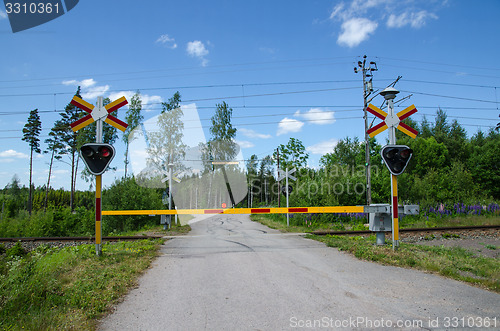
[446, 167]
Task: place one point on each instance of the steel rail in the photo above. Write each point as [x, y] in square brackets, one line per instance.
[318, 232]
[435, 229]
[86, 239]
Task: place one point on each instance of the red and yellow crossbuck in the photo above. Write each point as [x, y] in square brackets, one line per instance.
[394, 121]
[98, 113]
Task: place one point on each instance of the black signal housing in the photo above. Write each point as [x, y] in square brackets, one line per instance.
[97, 157]
[396, 158]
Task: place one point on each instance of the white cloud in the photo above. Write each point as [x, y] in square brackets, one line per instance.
[414, 19]
[166, 41]
[323, 147]
[127, 94]
[355, 31]
[89, 88]
[3, 15]
[12, 153]
[252, 134]
[85, 83]
[94, 92]
[337, 11]
[358, 19]
[244, 143]
[148, 101]
[197, 49]
[317, 116]
[289, 125]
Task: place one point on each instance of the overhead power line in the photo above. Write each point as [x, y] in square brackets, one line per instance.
[449, 97]
[155, 70]
[440, 64]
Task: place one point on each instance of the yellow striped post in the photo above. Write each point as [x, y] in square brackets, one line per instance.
[98, 213]
[395, 219]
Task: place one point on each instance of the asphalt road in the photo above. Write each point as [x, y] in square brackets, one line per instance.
[230, 273]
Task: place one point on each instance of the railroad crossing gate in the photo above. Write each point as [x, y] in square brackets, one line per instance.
[379, 209]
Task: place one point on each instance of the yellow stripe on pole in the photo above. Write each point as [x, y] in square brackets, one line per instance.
[395, 206]
[98, 186]
[98, 236]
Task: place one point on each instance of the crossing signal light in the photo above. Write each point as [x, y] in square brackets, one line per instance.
[285, 189]
[396, 158]
[97, 157]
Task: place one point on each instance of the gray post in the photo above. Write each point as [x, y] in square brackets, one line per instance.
[391, 120]
[98, 132]
[170, 166]
[99, 140]
[286, 190]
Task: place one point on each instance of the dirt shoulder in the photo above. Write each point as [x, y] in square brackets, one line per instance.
[481, 242]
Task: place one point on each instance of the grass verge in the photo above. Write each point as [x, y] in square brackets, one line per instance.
[157, 230]
[278, 225]
[452, 262]
[68, 288]
[279, 222]
[420, 221]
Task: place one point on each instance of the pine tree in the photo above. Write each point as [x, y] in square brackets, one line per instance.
[69, 138]
[31, 131]
[55, 147]
[222, 146]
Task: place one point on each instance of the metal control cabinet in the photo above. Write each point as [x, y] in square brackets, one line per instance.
[380, 222]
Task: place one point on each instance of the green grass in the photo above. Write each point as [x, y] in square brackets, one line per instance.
[420, 221]
[157, 230]
[452, 262]
[68, 288]
[278, 225]
[279, 222]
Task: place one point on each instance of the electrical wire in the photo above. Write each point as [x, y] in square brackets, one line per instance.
[180, 69]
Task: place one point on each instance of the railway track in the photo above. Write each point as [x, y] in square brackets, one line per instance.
[414, 230]
[320, 233]
[75, 239]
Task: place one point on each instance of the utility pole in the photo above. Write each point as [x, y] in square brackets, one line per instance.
[279, 183]
[367, 90]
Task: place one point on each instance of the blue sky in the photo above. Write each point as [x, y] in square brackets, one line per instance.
[285, 67]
